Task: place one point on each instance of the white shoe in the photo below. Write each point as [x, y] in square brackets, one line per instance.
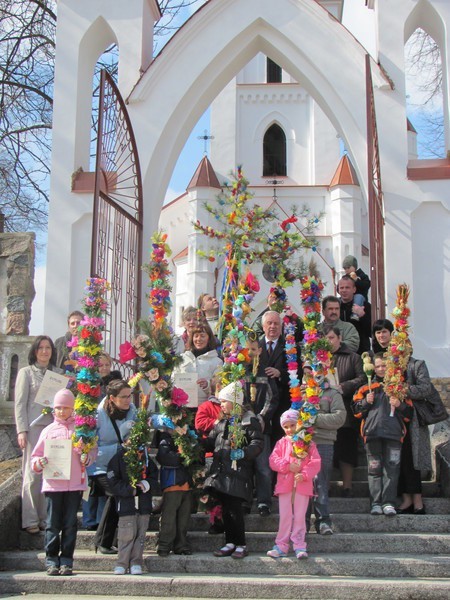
[376, 510]
[119, 570]
[136, 570]
[389, 510]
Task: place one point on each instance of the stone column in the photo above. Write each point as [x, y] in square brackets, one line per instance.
[16, 282]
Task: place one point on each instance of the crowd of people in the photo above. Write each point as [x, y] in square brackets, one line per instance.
[396, 443]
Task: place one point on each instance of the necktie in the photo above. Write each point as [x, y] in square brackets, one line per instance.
[269, 348]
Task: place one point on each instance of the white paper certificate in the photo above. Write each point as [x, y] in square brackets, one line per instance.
[52, 383]
[188, 383]
[59, 455]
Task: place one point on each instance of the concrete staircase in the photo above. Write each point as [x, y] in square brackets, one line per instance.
[370, 557]
[407, 556]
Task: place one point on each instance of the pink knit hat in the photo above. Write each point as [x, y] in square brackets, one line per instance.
[289, 415]
[64, 398]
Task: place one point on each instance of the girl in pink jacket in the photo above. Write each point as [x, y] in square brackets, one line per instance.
[294, 487]
[63, 495]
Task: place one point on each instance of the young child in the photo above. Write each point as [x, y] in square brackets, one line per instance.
[176, 486]
[207, 416]
[383, 436]
[261, 393]
[361, 279]
[231, 473]
[63, 495]
[294, 488]
[134, 505]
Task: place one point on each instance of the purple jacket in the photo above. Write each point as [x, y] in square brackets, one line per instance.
[61, 430]
[279, 462]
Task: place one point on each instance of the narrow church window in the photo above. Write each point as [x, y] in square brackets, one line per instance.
[274, 152]
[13, 376]
[274, 73]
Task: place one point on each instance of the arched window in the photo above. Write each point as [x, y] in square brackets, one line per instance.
[274, 152]
[425, 84]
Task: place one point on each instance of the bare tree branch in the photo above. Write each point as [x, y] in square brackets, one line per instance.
[27, 55]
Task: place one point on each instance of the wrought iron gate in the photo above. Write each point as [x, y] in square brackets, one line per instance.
[117, 218]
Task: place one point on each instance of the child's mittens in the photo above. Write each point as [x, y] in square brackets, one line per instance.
[237, 454]
[43, 461]
[144, 485]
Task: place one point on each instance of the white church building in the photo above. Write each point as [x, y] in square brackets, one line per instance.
[295, 98]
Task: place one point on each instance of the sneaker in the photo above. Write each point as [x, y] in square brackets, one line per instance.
[376, 510]
[325, 529]
[389, 510]
[119, 570]
[52, 570]
[136, 570]
[276, 553]
[264, 510]
[66, 570]
[300, 554]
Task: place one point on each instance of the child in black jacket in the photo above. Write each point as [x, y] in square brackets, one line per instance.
[176, 484]
[134, 505]
[383, 436]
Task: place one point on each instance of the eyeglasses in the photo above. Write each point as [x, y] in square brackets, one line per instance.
[127, 397]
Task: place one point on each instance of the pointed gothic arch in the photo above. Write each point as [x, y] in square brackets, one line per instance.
[95, 40]
[341, 94]
[426, 17]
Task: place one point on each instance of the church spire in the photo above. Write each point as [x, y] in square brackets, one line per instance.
[345, 173]
[204, 176]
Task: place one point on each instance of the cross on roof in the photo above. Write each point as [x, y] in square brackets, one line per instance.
[205, 137]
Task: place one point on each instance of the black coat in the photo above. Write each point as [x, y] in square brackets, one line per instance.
[222, 477]
[363, 325]
[351, 375]
[123, 491]
[267, 397]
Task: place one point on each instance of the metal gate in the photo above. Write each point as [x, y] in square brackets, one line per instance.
[117, 218]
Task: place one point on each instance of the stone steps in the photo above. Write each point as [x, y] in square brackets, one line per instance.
[375, 557]
[378, 541]
[264, 586]
[332, 564]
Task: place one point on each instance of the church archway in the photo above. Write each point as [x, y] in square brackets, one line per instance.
[290, 34]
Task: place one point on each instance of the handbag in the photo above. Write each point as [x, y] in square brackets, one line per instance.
[430, 410]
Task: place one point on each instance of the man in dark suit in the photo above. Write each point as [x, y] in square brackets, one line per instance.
[273, 359]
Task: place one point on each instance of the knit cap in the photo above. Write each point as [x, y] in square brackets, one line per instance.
[64, 398]
[349, 261]
[232, 392]
[289, 415]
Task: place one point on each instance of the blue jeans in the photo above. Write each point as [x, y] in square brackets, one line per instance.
[322, 483]
[92, 510]
[383, 462]
[62, 508]
[264, 474]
